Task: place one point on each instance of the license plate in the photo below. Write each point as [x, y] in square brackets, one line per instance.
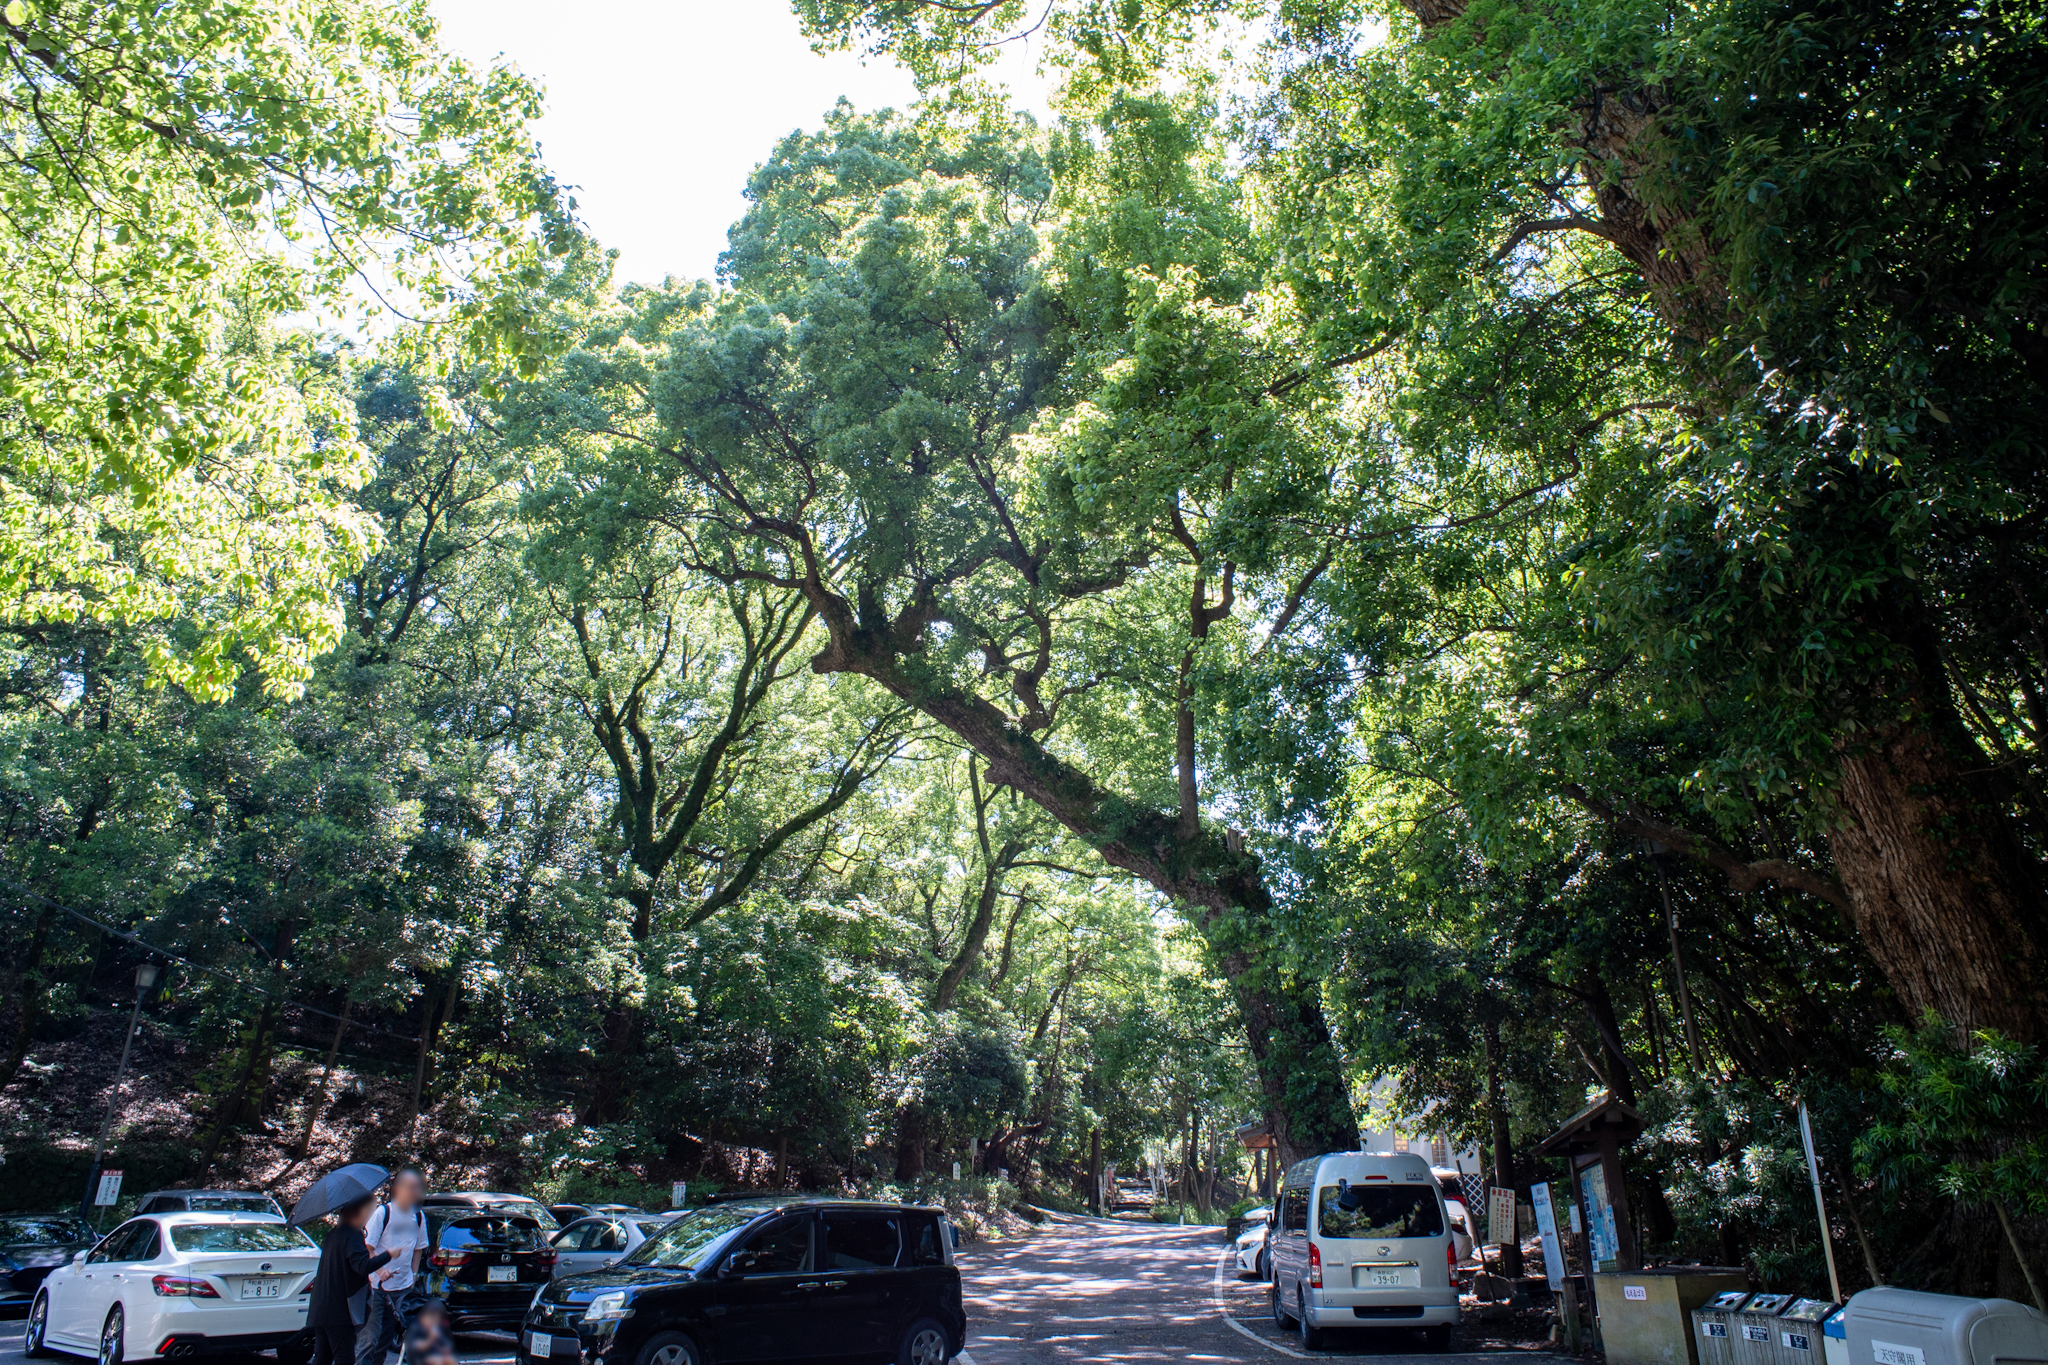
[500, 1274]
[1385, 1277]
[262, 1289]
[540, 1344]
[1382, 1279]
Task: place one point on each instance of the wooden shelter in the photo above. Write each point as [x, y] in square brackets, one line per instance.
[1590, 1143]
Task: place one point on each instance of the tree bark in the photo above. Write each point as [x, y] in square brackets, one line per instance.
[1503, 1147]
[995, 862]
[316, 1103]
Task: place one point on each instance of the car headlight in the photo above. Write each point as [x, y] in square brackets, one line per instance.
[607, 1307]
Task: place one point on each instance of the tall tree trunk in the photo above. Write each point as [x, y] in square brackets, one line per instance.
[1503, 1149]
[1948, 903]
[995, 862]
[316, 1103]
[230, 1111]
[1600, 1004]
[30, 989]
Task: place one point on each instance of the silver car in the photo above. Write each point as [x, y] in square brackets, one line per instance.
[595, 1242]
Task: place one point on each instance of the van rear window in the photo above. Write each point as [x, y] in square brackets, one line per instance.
[1378, 1211]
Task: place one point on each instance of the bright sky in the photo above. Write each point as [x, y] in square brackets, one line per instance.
[658, 109]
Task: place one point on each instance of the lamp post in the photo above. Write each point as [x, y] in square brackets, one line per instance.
[145, 977]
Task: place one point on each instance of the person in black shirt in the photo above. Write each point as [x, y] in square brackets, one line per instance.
[340, 1293]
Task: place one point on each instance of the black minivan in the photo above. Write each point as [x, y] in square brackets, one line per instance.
[763, 1280]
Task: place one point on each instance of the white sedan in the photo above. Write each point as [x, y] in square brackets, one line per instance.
[180, 1284]
[1252, 1263]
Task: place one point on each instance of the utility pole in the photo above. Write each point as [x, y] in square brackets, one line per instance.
[145, 977]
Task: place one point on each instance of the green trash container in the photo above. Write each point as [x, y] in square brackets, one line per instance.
[1646, 1315]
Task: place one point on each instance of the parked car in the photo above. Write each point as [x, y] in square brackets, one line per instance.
[489, 1201]
[566, 1214]
[31, 1246]
[180, 1284]
[764, 1280]
[594, 1243]
[485, 1262]
[207, 1201]
[1252, 1261]
[1364, 1241]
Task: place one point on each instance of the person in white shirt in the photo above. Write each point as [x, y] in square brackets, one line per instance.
[398, 1226]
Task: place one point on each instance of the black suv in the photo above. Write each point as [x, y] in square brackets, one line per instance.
[764, 1280]
[485, 1262]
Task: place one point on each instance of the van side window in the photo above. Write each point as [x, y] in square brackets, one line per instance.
[1294, 1211]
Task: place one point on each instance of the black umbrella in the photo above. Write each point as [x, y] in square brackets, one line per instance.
[337, 1189]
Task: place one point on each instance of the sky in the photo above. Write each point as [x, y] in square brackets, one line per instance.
[658, 109]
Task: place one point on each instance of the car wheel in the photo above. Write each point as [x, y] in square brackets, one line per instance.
[1280, 1318]
[33, 1336]
[1311, 1335]
[110, 1339]
[1264, 1269]
[1438, 1339]
[924, 1344]
[668, 1348]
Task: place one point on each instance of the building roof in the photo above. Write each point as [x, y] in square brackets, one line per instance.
[1585, 1130]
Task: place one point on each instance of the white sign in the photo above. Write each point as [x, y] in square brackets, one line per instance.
[956, 1170]
[1500, 1215]
[110, 1188]
[679, 1195]
[1796, 1341]
[1887, 1353]
[1713, 1329]
[1546, 1227]
[1635, 1291]
[1752, 1332]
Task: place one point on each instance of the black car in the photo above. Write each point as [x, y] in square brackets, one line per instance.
[485, 1263]
[772, 1280]
[31, 1246]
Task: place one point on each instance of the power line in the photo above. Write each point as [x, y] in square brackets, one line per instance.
[137, 941]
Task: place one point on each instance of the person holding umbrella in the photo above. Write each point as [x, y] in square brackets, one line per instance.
[341, 1286]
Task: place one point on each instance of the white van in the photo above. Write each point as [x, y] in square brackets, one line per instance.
[1364, 1240]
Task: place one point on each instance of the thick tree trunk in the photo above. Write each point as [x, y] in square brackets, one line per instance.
[910, 1141]
[1291, 1047]
[1943, 896]
[1503, 1146]
[30, 989]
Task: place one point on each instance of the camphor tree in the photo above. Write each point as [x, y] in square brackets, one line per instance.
[177, 177]
[1801, 511]
[896, 412]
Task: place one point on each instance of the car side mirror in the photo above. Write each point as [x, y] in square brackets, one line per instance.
[79, 1258]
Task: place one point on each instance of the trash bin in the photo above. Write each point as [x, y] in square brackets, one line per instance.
[1902, 1327]
[1799, 1337]
[1713, 1327]
[1755, 1338]
[1834, 1336]
[1646, 1315]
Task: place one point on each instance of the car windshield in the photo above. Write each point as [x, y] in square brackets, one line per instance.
[520, 1234]
[1379, 1211]
[238, 1237]
[522, 1208]
[42, 1229]
[685, 1241]
[230, 1203]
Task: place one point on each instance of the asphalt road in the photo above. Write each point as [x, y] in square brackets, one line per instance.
[1097, 1290]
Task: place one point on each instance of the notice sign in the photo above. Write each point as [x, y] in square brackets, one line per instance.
[1546, 1227]
[1796, 1341]
[1752, 1332]
[109, 1191]
[1500, 1215]
[679, 1195]
[1635, 1291]
[1713, 1329]
[1887, 1353]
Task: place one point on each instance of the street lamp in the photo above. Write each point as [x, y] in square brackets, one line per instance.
[145, 977]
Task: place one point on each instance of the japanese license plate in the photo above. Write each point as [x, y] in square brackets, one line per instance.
[540, 1344]
[1384, 1277]
[500, 1274]
[262, 1289]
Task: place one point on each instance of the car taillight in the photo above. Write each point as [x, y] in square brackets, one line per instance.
[545, 1258]
[1315, 1266]
[1451, 1257]
[448, 1260]
[183, 1287]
